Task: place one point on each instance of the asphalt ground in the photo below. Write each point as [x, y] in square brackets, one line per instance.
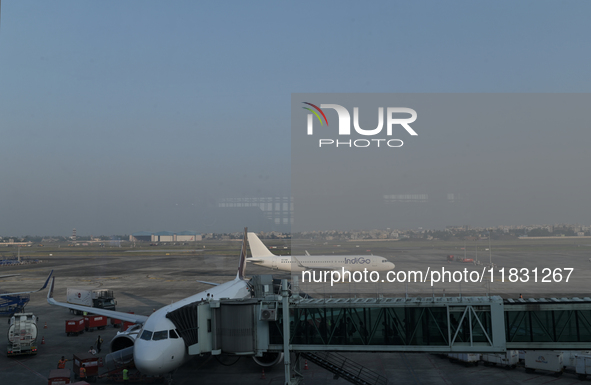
[143, 282]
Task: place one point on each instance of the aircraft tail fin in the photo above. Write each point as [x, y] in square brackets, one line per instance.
[243, 254]
[257, 248]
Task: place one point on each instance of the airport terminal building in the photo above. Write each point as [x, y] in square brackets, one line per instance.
[165, 236]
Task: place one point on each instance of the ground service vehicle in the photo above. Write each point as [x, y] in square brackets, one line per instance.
[99, 298]
[465, 358]
[116, 322]
[547, 360]
[95, 321]
[22, 334]
[509, 360]
[88, 361]
[59, 377]
[583, 366]
[75, 326]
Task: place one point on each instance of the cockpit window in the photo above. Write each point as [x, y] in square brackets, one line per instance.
[146, 335]
[173, 334]
[161, 335]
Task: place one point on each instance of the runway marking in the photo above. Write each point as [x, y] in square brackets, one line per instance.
[37, 373]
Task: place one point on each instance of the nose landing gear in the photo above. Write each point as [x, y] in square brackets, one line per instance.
[168, 380]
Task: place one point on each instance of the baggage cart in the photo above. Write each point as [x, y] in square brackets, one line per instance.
[509, 360]
[583, 366]
[59, 377]
[92, 322]
[75, 326]
[88, 361]
[465, 358]
[543, 360]
[126, 325]
[116, 322]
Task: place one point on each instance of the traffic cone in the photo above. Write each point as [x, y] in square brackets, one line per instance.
[263, 375]
[45, 327]
[43, 340]
[306, 365]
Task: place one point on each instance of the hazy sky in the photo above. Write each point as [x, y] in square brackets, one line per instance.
[477, 159]
[117, 117]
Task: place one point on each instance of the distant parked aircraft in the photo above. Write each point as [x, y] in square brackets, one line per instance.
[263, 257]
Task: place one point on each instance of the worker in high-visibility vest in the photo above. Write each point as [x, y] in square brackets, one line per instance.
[61, 364]
[125, 376]
[82, 372]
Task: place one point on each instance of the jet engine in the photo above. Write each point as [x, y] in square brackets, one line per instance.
[268, 359]
[125, 339]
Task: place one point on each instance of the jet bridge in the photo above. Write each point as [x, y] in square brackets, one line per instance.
[440, 324]
[548, 323]
[488, 324]
[433, 324]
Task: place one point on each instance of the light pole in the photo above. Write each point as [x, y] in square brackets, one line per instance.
[489, 249]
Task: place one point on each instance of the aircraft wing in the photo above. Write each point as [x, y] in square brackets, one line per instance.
[9, 275]
[28, 292]
[135, 318]
[208, 283]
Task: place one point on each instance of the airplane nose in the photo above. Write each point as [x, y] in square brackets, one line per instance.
[148, 360]
[391, 265]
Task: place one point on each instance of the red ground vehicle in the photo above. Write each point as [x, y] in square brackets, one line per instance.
[90, 362]
[116, 322]
[59, 377]
[126, 324]
[450, 257]
[95, 321]
[75, 326]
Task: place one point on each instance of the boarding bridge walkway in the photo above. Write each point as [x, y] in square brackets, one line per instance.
[427, 324]
[262, 325]
[435, 324]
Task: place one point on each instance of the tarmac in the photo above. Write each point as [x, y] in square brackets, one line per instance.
[143, 282]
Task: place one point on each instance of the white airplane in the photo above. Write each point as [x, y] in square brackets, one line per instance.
[263, 257]
[157, 348]
[24, 292]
